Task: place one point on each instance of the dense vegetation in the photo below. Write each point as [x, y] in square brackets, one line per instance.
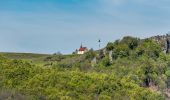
[136, 70]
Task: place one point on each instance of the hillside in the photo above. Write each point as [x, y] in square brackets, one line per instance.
[38, 59]
[127, 69]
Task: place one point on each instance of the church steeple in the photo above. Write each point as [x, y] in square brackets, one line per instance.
[81, 46]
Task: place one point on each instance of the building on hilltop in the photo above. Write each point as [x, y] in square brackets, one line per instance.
[82, 50]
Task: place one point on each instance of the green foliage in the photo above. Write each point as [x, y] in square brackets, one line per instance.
[55, 57]
[137, 66]
[110, 46]
[13, 95]
[149, 48]
[85, 66]
[130, 41]
[53, 84]
[123, 48]
[106, 61]
[90, 54]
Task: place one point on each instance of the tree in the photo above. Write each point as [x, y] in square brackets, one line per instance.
[130, 41]
[149, 48]
[110, 46]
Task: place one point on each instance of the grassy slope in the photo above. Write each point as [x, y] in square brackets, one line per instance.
[23, 55]
[37, 59]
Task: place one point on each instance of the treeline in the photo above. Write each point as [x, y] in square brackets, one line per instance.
[139, 70]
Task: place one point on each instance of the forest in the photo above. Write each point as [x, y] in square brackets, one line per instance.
[137, 69]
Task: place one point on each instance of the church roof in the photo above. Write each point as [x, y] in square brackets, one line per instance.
[83, 49]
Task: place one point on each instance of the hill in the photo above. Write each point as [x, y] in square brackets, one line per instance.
[127, 69]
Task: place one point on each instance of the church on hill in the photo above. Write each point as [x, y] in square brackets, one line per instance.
[81, 50]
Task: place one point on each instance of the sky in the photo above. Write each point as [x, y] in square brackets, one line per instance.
[49, 26]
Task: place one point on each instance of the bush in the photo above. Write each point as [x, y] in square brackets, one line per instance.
[90, 54]
[106, 61]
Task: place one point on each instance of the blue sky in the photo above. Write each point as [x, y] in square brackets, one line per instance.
[48, 26]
